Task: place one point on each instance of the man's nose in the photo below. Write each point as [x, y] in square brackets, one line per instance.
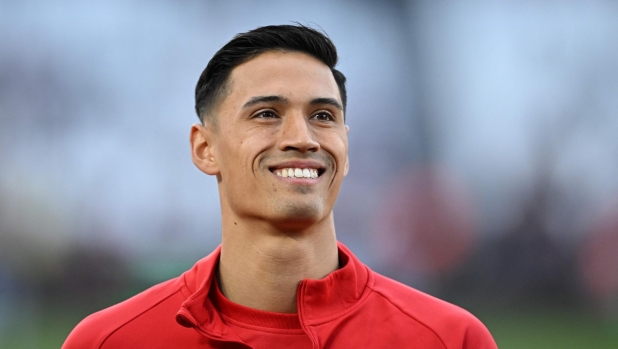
[296, 134]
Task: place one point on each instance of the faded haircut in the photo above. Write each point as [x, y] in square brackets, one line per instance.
[212, 86]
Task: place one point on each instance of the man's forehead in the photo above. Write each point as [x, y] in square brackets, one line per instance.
[284, 74]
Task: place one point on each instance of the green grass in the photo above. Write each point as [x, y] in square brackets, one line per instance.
[48, 330]
[553, 328]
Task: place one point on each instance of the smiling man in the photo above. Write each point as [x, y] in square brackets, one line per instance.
[272, 111]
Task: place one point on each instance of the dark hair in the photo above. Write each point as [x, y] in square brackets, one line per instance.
[212, 84]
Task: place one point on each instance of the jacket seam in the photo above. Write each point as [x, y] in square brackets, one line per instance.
[136, 316]
[323, 320]
[344, 312]
[184, 289]
[411, 316]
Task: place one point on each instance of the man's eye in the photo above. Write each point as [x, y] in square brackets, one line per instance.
[324, 117]
[265, 114]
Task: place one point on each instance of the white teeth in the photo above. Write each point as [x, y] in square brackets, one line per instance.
[297, 173]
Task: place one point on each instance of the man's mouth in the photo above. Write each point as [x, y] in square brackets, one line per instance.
[298, 169]
[297, 172]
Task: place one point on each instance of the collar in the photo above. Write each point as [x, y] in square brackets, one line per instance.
[319, 301]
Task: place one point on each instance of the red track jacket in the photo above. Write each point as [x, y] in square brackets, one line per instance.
[353, 307]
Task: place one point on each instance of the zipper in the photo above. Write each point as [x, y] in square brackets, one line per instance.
[299, 305]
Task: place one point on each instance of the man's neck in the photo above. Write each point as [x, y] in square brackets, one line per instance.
[261, 268]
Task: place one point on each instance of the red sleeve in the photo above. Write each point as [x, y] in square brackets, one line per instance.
[478, 337]
[86, 335]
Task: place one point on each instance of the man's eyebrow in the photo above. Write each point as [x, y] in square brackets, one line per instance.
[264, 99]
[326, 100]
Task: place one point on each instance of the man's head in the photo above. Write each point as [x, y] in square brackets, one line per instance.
[279, 145]
[212, 86]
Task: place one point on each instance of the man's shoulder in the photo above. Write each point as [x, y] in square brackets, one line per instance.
[448, 321]
[94, 330]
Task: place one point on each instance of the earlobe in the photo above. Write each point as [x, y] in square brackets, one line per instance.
[203, 150]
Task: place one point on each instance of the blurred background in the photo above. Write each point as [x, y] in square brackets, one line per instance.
[483, 150]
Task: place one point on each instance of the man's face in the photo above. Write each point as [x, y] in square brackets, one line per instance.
[281, 142]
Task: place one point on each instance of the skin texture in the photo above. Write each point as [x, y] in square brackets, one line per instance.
[280, 111]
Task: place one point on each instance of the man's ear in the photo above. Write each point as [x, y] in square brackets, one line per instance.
[202, 148]
[347, 159]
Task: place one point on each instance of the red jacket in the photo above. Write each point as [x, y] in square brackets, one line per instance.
[353, 307]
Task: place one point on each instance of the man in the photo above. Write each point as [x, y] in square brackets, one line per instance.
[273, 132]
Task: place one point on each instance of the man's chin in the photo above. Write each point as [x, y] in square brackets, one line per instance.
[297, 216]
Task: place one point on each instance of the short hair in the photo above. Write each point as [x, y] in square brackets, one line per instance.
[212, 85]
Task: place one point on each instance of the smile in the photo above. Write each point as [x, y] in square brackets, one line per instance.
[297, 172]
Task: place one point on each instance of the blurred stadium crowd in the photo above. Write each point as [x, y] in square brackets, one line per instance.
[483, 146]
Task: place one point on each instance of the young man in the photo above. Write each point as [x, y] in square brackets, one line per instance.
[273, 132]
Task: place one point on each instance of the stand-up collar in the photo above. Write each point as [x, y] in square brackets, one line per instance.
[318, 300]
[328, 298]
